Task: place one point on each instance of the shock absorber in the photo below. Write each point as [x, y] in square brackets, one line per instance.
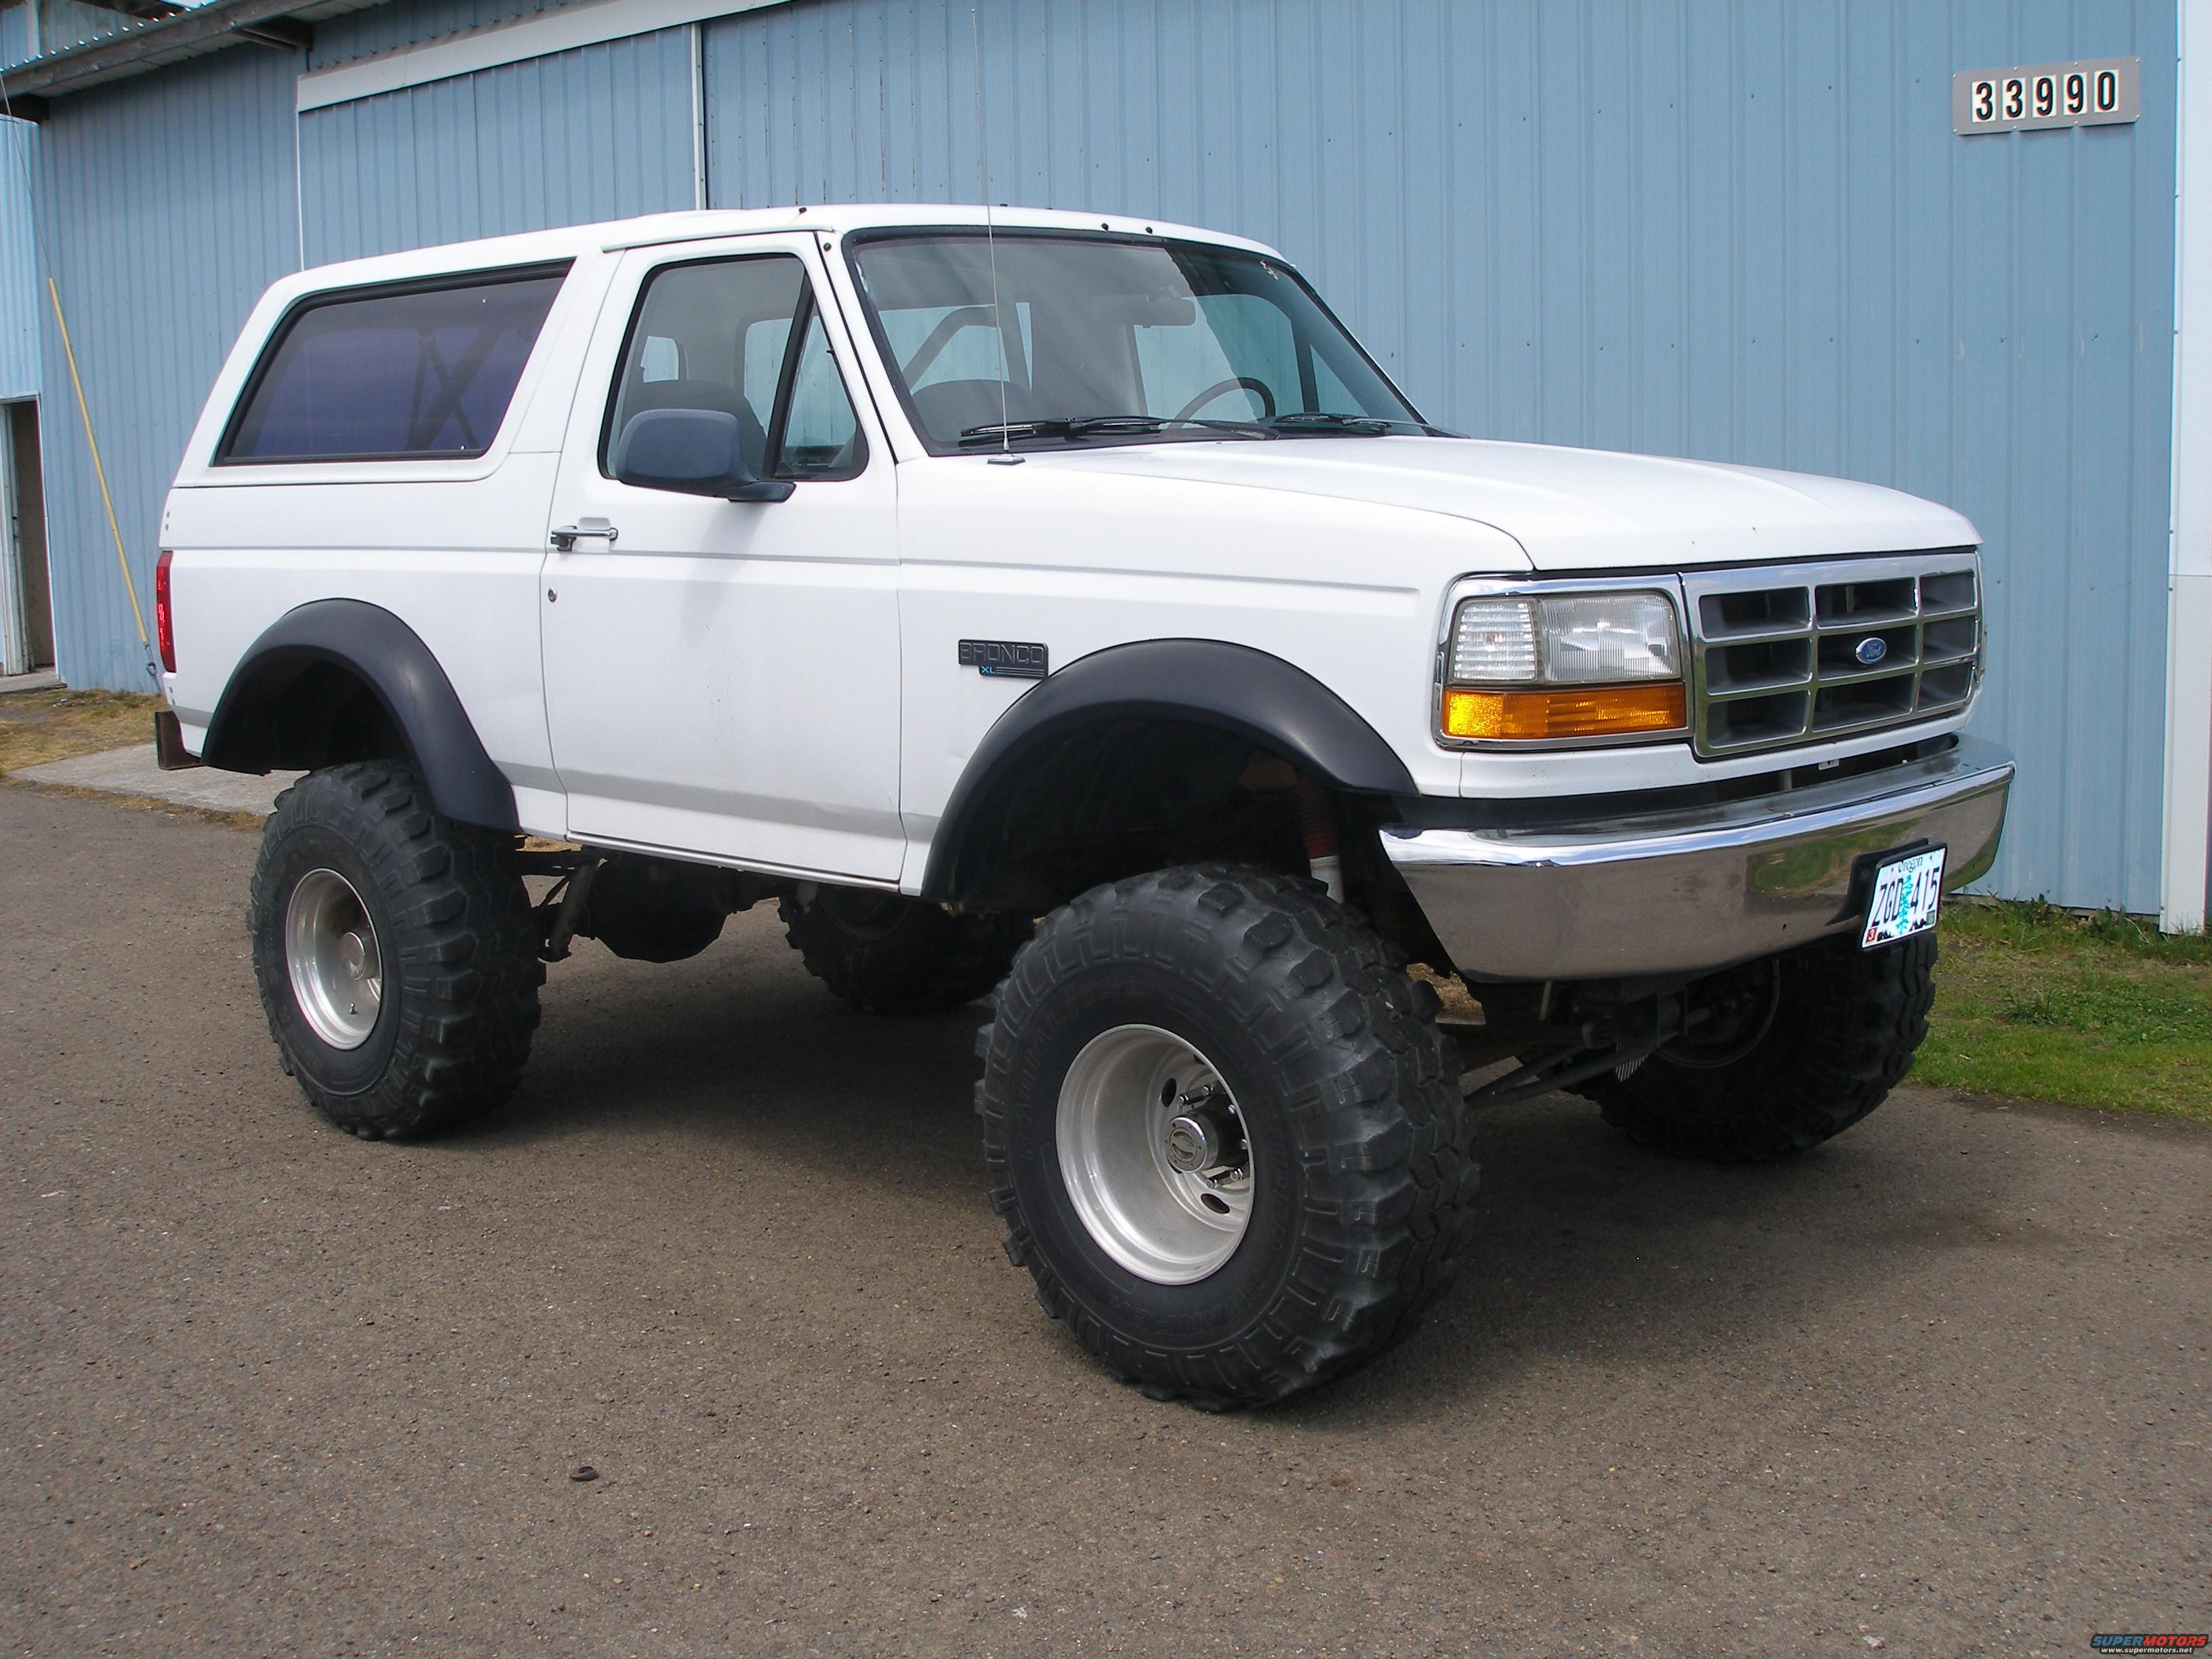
[1317, 823]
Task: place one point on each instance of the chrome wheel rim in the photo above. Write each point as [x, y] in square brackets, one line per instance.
[1154, 1154]
[332, 954]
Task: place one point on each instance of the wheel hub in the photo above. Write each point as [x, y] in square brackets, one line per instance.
[1153, 1151]
[332, 960]
[1204, 1138]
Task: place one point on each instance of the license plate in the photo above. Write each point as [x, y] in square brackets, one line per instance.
[1906, 891]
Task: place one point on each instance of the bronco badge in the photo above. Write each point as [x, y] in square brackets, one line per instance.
[1004, 659]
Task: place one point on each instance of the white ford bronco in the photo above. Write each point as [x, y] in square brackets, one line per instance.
[1065, 609]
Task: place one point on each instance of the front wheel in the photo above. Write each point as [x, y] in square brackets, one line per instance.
[1794, 1050]
[1223, 1133]
[393, 951]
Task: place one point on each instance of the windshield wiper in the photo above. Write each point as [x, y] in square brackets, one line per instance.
[1363, 425]
[1091, 426]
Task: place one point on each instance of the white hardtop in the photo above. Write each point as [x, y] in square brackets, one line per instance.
[654, 229]
[581, 243]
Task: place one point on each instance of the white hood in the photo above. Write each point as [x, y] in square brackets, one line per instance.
[1571, 509]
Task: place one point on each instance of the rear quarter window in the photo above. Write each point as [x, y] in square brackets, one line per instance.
[415, 371]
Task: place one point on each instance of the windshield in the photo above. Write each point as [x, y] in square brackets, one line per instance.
[1108, 339]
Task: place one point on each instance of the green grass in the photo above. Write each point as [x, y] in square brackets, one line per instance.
[2043, 1003]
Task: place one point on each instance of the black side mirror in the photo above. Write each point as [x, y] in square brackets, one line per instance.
[694, 452]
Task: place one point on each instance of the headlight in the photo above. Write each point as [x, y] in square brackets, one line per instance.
[1562, 666]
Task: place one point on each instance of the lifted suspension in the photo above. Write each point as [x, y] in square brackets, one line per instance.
[1614, 1024]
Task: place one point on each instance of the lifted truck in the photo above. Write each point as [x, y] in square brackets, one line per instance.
[1068, 606]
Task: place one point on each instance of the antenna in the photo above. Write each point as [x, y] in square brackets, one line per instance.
[990, 231]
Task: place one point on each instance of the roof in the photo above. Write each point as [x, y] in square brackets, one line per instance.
[159, 40]
[658, 229]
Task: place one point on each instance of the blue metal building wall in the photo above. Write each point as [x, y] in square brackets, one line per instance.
[64, 23]
[1740, 229]
[601, 133]
[19, 275]
[407, 22]
[1736, 229]
[166, 206]
[15, 34]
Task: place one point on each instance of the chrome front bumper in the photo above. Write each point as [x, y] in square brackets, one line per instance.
[1690, 889]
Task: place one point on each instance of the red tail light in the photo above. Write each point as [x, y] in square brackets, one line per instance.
[165, 617]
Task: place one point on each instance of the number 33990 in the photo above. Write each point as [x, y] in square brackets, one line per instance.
[2093, 93]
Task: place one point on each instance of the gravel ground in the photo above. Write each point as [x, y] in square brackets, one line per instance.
[1940, 1388]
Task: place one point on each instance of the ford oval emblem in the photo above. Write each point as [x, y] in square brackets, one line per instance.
[1871, 649]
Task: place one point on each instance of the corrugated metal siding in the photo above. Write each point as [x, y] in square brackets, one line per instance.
[384, 28]
[597, 133]
[67, 22]
[166, 206]
[63, 23]
[19, 265]
[1740, 231]
[15, 35]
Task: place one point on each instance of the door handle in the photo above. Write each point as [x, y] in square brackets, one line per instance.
[569, 535]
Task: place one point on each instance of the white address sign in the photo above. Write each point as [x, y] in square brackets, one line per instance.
[2090, 92]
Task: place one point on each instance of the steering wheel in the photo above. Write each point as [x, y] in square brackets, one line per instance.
[1222, 389]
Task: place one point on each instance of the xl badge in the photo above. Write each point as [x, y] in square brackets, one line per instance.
[1004, 659]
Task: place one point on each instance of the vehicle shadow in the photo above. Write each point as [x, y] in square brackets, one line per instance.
[741, 1049]
[1587, 1248]
[1593, 1250]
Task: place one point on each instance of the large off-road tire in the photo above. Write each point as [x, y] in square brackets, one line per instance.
[1844, 1025]
[889, 955]
[393, 950]
[1252, 999]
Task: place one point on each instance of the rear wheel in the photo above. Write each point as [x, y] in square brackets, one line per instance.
[393, 951]
[1794, 1050]
[886, 954]
[1224, 1135]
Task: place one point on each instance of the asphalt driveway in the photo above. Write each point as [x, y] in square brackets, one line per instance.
[1940, 1388]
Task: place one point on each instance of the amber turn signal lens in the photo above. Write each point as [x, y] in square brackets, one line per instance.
[1566, 711]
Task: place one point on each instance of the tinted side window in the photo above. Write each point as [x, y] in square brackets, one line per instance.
[394, 374]
[716, 334]
[711, 335]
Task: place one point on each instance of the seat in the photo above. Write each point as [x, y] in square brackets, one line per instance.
[648, 395]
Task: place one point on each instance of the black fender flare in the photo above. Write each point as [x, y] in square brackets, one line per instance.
[1212, 683]
[388, 657]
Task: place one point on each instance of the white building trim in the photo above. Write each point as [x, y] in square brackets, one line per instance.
[2186, 841]
[14, 626]
[564, 29]
[699, 116]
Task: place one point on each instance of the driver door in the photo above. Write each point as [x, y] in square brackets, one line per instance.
[722, 677]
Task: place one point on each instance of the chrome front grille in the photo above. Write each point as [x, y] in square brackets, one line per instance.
[1781, 655]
